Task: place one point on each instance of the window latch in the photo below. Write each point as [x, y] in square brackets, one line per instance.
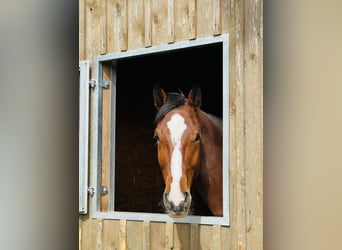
[103, 83]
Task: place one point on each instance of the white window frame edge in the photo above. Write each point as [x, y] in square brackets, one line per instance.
[96, 134]
[83, 136]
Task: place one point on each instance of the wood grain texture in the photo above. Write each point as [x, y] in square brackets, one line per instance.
[182, 25]
[170, 21]
[192, 19]
[81, 30]
[169, 237]
[217, 237]
[106, 127]
[111, 230]
[205, 18]
[148, 22]
[217, 17]
[159, 22]
[95, 28]
[110, 17]
[136, 24]
[146, 236]
[253, 80]
[225, 16]
[238, 171]
[206, 236]
[111, 26]
[120, 25]
[123, 235]
[182, 236]
[194, 236]
[158, 235]
[134, 235]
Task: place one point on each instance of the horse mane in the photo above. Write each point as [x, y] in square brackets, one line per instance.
[174, 100]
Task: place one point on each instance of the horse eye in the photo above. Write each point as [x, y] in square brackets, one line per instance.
[198, 137]
[156, 138]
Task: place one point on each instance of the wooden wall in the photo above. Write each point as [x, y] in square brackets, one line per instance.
[107, 26]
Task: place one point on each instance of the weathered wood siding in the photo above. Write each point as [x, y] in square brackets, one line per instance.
[117, 25]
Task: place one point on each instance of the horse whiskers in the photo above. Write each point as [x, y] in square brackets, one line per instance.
[191, 208]
[161, 205]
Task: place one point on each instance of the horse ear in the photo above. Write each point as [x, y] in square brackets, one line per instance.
[159, 97]
[195, 97]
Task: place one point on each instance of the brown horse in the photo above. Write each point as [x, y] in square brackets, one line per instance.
[189, 143]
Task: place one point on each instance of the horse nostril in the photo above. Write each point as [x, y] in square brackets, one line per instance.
[186, 195]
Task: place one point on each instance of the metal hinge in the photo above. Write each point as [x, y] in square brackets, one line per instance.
[92, 83]
[91, 191]
[103, 83]
[104, 190]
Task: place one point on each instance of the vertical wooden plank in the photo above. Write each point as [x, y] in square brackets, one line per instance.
[120, 24]
[80, 226]
[123, 235]
[225, 17]
[106, 127]
[99, 234]
[159, 22]
[111, 234]
[205, 237]
[192, 19]
[85, 233]
[146, 235]
[110, 13]
[225, 238]
[134, 234]
[237, 168]
[170, 21]
[91, 234]
[136, 24]
[194, 237]
[95, 28]
[169, 235]
[181, 236]
[182, 20]
[217, 16]
[253, 59]
[216, 237]
[81, 30]
[157, 235]
[103, 29]
[148, 23]
[205, 21]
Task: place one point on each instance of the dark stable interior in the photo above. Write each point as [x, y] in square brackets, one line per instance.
[139, 183]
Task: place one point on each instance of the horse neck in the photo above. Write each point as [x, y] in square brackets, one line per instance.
[211, 128]
[211, 143]
[208, 181]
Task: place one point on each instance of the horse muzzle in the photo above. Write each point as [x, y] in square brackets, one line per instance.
[179, 210]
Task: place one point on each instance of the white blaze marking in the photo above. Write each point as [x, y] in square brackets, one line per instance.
[176, 126]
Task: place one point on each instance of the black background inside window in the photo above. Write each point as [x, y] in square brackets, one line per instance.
[139, 183]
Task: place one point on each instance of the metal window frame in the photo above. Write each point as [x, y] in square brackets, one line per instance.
[97, 133]
[83, 136]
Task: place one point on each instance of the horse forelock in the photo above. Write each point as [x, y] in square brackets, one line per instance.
[174, 100]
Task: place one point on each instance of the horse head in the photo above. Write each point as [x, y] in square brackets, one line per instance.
[178, 136]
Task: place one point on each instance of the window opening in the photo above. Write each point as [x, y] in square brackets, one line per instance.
[137, 183]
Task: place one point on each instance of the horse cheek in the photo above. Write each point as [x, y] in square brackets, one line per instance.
[163, 160]
[195, 157]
